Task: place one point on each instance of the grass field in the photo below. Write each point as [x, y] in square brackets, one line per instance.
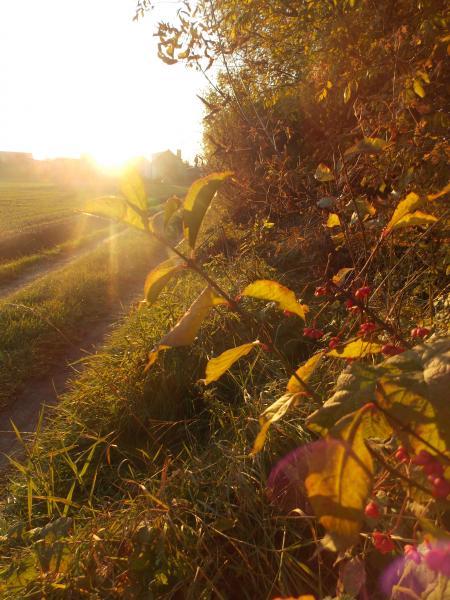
[40, 322]
[29, 203]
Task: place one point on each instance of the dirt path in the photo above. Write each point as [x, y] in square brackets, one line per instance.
[52, 265]
[43, 393]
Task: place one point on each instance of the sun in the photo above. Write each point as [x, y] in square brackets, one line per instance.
[110, 160]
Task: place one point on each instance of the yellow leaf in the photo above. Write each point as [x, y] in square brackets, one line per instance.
[416, 218]
[347, 93]
[409, 204]
[333, 220]
[356, 349]
[340, 276]
[216, 367]
[272, 291]
[170, 208]
[159, 276]
[323, 173]
[132, 187]
[273, 413]
[113, 207]
[304, 372]
[443, 192]
[340, 480]
[418, 88]
[367, 145]
[185, 331]
[197, 201]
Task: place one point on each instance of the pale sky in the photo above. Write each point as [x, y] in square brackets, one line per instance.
[79, 76]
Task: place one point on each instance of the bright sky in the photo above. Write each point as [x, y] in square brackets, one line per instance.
[79, 76]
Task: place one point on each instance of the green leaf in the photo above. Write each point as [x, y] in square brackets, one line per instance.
[159, 277]
[197, 202]
[357, 349]
[367, 145]
[272, 291]
[323, 173]
[185, 331]
[216, 367]
[340, 480]
[113, 207]
[132, 187]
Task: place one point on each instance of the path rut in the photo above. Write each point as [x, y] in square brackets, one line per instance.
[52, 266]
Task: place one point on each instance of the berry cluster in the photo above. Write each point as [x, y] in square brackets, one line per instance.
[433, 469]
[419, 332]
[320, 291]
[313, 333]
[383, 542]
[362, 292]
[366, 328]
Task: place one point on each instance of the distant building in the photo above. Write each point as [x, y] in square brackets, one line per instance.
[170, 168]
[15, 158]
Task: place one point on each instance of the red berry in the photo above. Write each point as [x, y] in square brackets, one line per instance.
[383, 542]
[422, 458]
[391, 349]
[372, 510]
[434, 469]
[419, 332]
[366, 328]
[402, 454]
[335, 341]
[441, 488]
[362, 292]
[349, 303]
[265, 347]
[312, 333]
[320, 291]
[288, 313]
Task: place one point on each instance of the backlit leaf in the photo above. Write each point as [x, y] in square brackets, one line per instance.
[272, 291]
[418, 88]
[357, 349]
[367, 145]
[113, 207]
[273, 413]
[340, 276]
[216, 367]
[171, 206]
[132, 187]
[185, 331]
[197, 202]
[408, 205]
[437, 195]
[304, 372]
[340, 480]
[159, 276]
[416, 218]
[323, 173]
[333, 220]
[347, 92]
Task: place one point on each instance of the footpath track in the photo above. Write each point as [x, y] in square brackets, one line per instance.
[42, 394]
